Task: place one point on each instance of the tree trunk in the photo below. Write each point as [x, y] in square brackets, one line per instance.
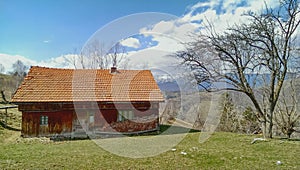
[264, 128]
[270, 129]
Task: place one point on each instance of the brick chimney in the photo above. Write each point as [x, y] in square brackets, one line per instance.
[113, 70]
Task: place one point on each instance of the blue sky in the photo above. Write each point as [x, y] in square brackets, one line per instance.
[46, 32]
[43, 29]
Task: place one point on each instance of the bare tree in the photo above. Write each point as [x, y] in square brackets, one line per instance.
[116, 54]
[19, 72]
[94, 56]
[229, 121]
[249, 121]
[286, 113]
[2, 68]
[19, 69]
[242, 53]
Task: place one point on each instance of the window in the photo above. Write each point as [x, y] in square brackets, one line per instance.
[125, 115]
[92, 117]
[44, 120]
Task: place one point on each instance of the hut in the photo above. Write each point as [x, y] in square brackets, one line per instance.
[72, 102]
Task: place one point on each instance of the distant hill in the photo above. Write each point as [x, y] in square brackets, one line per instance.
[170, 85]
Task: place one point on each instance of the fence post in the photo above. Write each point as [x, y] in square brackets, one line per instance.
[5, 118]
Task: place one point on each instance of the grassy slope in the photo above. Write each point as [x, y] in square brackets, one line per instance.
[221, 151]
[13, 119]
[7, 83]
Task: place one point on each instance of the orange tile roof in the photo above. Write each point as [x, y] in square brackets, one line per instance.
[68, 85]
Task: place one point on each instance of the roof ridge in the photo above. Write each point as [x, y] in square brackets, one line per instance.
[53, 68]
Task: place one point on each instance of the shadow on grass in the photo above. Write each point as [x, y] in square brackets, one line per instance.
[294, 139]
[8, 127]
[171, 129]
[167, 130]
[289, 139]
[164, 130]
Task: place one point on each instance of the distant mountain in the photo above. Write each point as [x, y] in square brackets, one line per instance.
[167, 84]
[171, 86]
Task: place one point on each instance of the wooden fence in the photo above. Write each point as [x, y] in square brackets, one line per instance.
[4, 115]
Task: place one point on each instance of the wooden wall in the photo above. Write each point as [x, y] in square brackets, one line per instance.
[59, 122]
[67, 118]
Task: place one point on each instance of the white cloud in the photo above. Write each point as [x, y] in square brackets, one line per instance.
[64, 61]
[131, 42]
[164, 27]
[170, 36]
[229, 13]
[8, 60]
[150, 58]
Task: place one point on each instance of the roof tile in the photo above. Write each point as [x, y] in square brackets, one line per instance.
[66, 85]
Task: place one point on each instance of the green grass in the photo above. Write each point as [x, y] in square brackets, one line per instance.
[220, 151]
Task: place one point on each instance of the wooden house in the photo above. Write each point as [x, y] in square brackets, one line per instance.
[70, 102]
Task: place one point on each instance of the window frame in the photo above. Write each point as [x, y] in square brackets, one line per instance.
[44, 120]
[124, 115]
